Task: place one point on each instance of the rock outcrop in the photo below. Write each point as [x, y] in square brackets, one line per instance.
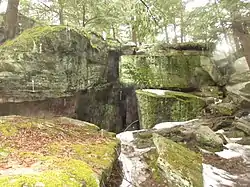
[56, 152]
[180, 166]
[175, 67]
[156, 106]
[51, 61]
[65, 71]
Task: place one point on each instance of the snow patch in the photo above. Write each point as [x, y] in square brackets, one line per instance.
[214, 177]
[155, 91]
[227, 154]
[167, 125]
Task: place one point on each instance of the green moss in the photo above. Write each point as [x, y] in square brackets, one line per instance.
[67, 172]
[151, 159]
[179, 160]
[29, 36]
[171, 106]
[101, 156]
[155, 71]
[65, 152]
[7, 129]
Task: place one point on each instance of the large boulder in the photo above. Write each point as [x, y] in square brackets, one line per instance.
[156, 106]
[239, 89]
[209, 66]
[55, 152]
[223, 109]
[167, 67]
[180, 166]
[240, 65]
[194, 134]
[53, 61]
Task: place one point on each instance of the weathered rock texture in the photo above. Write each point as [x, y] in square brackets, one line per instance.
[56, 152]
[180, 166]
[55, 60]
[64, 70]
[156, 106]
[170, 68]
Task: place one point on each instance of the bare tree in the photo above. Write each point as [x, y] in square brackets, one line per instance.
[11, 19]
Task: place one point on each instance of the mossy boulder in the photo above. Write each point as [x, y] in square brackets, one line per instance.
[223, 109]
[180, 166]
[193, 135]
[156, 106]
[166, 66]
[159, 71]
[52, 61]
[54, 152]
[243, 126]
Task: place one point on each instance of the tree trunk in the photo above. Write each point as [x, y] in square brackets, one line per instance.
[61, 12]
[11, 19]
[244, 37]
[113, 32]
[175, 32]
[166, 34]
[134, 36]
[83, 15]
[182, 23]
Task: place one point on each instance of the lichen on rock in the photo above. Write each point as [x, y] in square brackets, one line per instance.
[55, 152]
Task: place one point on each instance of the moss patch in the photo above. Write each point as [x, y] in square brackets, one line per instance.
[59, 151]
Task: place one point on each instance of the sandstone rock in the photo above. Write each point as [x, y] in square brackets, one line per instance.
[234, 133]
[55, 152]
[180, 166]
[207, 138]
[156, 106]
[239, 78]
[223, 109]
[193, 135]
[242, 125]
[209, 91]
[244, 141]
[240, 65]
[209, 66]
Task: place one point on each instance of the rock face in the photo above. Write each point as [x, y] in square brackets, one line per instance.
[55, 152]
[51, 61]
[66, 72]
[156, 106]
[240, 65]
[169, 68]
[239, 89]
[180, 166]
[111, 106]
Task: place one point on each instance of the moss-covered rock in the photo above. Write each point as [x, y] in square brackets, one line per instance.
[180, 166]
[52, 61]
[159, 71]
[167, 66]
[156, 106]
[55, 152]
[223, 109]
[194, 136]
